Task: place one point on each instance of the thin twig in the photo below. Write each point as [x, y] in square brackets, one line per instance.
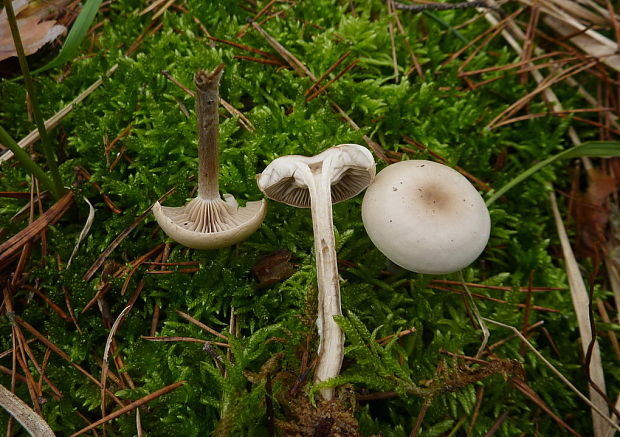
[446, 6]
[562, 378]
[535, 398]
[611, 334]
[492, 299]
[420, 418]
[200, 324]
[184, 339]
[329, 70]
[390, 4]
[498, 423]
[542, 86]
[63, 355]
[483, 326]
[338, 76]
[474, 416]
[260, 13]
[32, 232]
[119, 238]
[130, 407]
[244, 47]
[526, 313]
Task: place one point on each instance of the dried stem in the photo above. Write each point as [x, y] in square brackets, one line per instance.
[445, 6]
[30, 420]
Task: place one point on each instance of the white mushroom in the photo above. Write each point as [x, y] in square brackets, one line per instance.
[208, 222]
[426, 217]
[316, 182]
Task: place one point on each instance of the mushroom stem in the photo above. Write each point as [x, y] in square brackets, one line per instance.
[332, 176]
[207, 102]
[331, 348]
[207, 221]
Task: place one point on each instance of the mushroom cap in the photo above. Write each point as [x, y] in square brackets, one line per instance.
[210, 224]
[351, 168]
[426, 217]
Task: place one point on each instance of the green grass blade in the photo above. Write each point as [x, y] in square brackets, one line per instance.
[442, 23]
[599, 149]
[76, 35]
[34, 101]
[26, 161]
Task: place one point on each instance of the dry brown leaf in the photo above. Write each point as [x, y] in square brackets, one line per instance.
[35, 23]
[273, 268]
[592, 214]
[612, 249]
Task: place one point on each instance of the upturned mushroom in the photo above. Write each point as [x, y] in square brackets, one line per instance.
[316, 182]
[208, 222]
[426, 217]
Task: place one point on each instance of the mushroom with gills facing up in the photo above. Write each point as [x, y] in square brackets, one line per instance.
[426, 217]
[208, 222]
[316, 182]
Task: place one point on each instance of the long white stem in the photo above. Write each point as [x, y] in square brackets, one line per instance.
[331, 349]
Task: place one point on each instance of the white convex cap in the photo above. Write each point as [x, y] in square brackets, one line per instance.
[426, 217]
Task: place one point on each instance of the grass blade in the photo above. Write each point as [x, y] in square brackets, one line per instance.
[599, 149]
[76, 35]
[34, 101]
[581, 303]
[30, 420]
[443, 23]
[24, 159]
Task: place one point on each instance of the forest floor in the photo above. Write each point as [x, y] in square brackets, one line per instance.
[107, 326]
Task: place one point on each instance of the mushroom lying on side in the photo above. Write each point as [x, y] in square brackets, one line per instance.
[426, 217]
[316, 182]
[208, 222]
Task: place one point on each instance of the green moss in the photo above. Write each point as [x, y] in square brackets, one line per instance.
[159, 153]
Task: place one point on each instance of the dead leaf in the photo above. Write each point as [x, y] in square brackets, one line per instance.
[36, 24]
[273, 268]
[591, 214]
